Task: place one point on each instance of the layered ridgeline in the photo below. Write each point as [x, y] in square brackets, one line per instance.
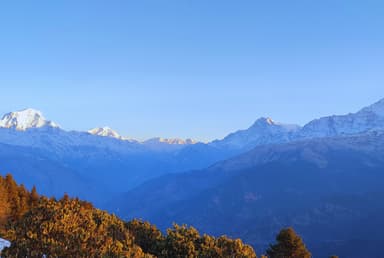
[42, 227]
[100, 163]
[325, 179]
[93, 165]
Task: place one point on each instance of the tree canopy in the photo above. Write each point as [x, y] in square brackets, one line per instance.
[37, 226]
[289, 245]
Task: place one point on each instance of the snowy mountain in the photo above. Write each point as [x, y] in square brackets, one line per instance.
[25, 119]
[263, 131]
[28, 140]
[109, 132]
[167, 144]
[174, 141]
[106, 132]
[367, 119]
[91, 165]
[29, 128]
[266, 131]
[156, 143]
[33, 119]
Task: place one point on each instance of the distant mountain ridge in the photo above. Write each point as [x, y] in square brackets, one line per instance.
[177, 141]
[366, 119]
[263, 131]
[104, 158]
[30, 118]
[323, 187]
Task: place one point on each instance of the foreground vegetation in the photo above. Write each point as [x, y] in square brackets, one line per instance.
[37, 226]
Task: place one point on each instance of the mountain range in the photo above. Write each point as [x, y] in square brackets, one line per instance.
[325, 188]
[263, 131]
[119, 163]
[269, 175]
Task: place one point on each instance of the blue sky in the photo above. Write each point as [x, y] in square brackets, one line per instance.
[197, 69]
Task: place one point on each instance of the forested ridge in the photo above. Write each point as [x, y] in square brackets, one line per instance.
[69, 227]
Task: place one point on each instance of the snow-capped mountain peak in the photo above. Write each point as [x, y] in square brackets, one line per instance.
[269, 122]
[367, 119]
[173, 141]
[25, 119]
[167, 144]
[264, 121]
[105, 131]
[263, 131]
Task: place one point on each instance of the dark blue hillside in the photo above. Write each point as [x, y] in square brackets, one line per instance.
[329, 190]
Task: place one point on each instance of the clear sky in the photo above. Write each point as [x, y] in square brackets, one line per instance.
[198, 68]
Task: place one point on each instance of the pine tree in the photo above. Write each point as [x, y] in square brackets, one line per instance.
[289, 245]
